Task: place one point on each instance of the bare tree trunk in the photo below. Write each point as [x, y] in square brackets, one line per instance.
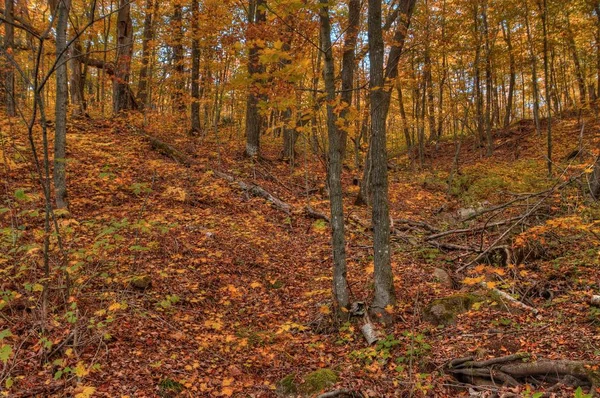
[534, 82]
[429, 79]
[506, 30]
[122, 96]
[334, 172]
[348, 66]
[179, 82]
[544, 11]
[405, 9]
[407, 137]
[195, 108]
[488, 80]
[9, 42]
[147, 36]
[60, 139]
[578, 69]
[76, 79]
[254, 121]
[380, 102]
[477, 80]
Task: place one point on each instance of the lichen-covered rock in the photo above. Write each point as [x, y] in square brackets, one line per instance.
[141, 282]
[443, 311]
[443, 277]
[318, 380]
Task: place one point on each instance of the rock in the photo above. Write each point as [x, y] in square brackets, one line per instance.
[443, 277]
[141, 282]
[443, 311]
[318, 380]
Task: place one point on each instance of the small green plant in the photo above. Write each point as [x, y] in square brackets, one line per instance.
[169, 301]
[417, 349]
[580, 394]
[381, 351]
[169, 387]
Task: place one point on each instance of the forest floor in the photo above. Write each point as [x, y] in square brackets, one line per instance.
[186, 285]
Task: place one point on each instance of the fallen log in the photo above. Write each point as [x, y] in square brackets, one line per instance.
[258, 191]
[167, 150]
[312, 213]
[511, 370]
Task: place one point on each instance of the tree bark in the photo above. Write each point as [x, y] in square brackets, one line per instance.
[506, 30]
[544, 12]
[148, 34]
[348, 58]
[195, 107]
[60, 138]
[178, 62]
[578, 69]
[534, 82]
[334, 172]
[122, 96]
[9, 43]
[380, 101]
[254, 120]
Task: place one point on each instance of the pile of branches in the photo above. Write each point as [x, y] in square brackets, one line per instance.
[513, 371]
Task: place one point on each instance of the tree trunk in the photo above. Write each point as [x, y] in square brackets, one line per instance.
[254, 121]
[195, 108]
[60, 139]
[477, 77]
[488, 80]
[148, 34]
[405, 9]
[9, 42]
[506, 30]
[544, 12]
[578, 69]
[534, 82]
[178, 62]
[122, 96]
[334, 172]
[76, 79]
[348, 66]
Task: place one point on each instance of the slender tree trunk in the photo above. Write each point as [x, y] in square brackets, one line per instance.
[578, 69]
[444, 75]
[534, 79]
[9, 42]
[544, 12]
[405, 9]
[488, 81]
[178, 62]
[405, 128]
[122, 96]
[506, 29]
[60, 139]
[597, 12]
[254, 121]
[429, 78]
[76, 79]
[195, 108]
[148, 34]
[348, 58]
[477, 80]
[334, 172]
[380, 102]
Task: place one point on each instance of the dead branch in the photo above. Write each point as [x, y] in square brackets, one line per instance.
[167, 150]
[258, 191]
[471, 230]
[312, 213]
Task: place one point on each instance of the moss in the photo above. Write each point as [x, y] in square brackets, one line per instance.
[318, 380]
[443, 311]
[141, 282]
[287, 385]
